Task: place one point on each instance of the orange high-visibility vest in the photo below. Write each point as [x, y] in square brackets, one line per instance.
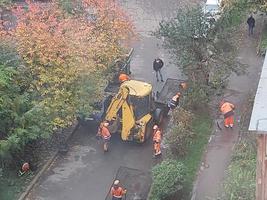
[227, 107]
[157, 136]
[117, 192]
[105, 133]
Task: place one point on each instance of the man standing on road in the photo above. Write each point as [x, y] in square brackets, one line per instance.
[105, 134]
[157, 65]
[156, 141]
[251, 25]
[116, 191]
[227, 110]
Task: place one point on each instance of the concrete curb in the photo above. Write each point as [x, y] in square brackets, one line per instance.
[46, 166]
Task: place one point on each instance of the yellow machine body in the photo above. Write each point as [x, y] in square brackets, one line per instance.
[132, 107]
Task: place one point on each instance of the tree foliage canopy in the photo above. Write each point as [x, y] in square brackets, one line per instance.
[61, 61]
[206, 56]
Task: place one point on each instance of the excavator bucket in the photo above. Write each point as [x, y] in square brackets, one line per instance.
[135, 181]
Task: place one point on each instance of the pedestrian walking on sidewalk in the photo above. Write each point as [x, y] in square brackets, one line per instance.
[157, 65]
[227, 110]
[116, 191]
[251, 25]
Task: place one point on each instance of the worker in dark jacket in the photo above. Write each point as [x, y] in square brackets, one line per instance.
[157, 65]
[251, 25]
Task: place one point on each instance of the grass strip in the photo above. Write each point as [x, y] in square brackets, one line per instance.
[202, 126]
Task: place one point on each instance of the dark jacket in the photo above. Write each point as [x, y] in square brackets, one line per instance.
[251, 21]
[157, 64]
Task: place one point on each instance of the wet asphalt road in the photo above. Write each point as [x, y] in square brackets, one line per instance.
[85, 172]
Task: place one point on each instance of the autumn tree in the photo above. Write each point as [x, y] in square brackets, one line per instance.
[65, 56]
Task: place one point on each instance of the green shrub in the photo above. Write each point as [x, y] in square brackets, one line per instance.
[183, 117]
[178, 140]
[168, 179]
[180, 135]
[233, 15]
[196, 97]
[263, 42]
[241, 179]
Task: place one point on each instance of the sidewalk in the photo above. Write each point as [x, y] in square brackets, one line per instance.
[208, 185]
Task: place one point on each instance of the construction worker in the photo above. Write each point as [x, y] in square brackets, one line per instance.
[24, 169]
[116, 191]
[105, 134]
[174, 102]
[156, 140]
[123, 77]
[227, 110]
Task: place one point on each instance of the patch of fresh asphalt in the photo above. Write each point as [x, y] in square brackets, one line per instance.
[85, 172]
[218, 154]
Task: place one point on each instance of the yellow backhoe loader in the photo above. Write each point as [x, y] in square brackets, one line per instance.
[131, 108]
[132, 111]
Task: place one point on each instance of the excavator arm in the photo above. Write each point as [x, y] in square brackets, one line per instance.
[120, 101]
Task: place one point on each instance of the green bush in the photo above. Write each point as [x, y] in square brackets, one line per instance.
[196, 97]
[178, 140]
[241, 179]
[183, 117]
[168, 179]
[180, 134]
[263, 42]
[233, 15]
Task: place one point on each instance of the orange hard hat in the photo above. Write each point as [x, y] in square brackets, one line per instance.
[123, 77]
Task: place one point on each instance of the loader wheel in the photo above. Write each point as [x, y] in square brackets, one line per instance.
[158, 116]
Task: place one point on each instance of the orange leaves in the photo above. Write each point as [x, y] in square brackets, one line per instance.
[59, 48]
[47, 36]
